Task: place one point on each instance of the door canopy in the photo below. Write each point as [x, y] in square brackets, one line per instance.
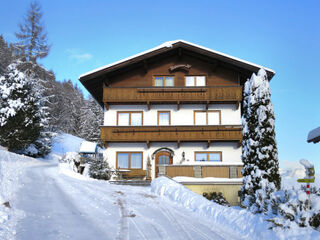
[164, 149]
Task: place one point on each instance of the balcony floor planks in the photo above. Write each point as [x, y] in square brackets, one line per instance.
[171, 133]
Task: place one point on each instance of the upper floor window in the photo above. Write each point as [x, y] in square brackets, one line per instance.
[208, 156]
[163, 81]
[195, 81]
[129, 118]
[209, 117]
[164, 118]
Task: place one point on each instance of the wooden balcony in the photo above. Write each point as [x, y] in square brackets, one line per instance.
[202, 171]
[176, 95]
[177, 134]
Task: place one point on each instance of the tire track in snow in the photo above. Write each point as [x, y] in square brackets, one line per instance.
[173, 221]
[146, 221]
[193, 228]
[123, 232]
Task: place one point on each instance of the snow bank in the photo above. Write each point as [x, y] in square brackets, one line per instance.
[242, 221]
[207, 180]
[10, 171]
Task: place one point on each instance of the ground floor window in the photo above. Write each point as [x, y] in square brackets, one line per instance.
[208, 156]
[129, 160]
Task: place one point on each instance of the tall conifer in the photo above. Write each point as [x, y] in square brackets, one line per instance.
[259, 148]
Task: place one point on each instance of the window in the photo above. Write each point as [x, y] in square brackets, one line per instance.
[195, 81]
[210, 117]
[163, 81]
[164, 118]
[208, 156]
[129, 118]
[129, 160]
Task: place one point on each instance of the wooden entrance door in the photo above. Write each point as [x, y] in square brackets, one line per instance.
[161, 159]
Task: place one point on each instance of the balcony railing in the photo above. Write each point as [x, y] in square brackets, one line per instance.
[171, 133]
[223, 170]
[171, 95]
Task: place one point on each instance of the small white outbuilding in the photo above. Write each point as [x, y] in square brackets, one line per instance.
[88, 147]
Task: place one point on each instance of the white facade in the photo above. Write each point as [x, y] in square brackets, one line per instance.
[230, 114]
[230, 151]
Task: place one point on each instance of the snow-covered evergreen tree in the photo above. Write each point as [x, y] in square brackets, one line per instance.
[6, 54]
[99, 169]
[92, 118]
[33, 38]
[259, 150]
[42, 146]
[19, 114]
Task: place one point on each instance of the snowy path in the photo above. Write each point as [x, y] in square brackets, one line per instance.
[61, 207]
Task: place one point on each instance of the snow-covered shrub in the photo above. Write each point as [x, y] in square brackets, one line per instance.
[315, 220]
[73, 159]
[293, 207]
[99, 169]
[217, 198]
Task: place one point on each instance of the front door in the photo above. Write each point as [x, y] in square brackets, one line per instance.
[161, 159]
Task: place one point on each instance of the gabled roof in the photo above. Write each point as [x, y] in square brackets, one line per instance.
[92, 80]
[178, 43]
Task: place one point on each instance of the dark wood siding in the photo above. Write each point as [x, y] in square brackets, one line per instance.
[142, 75]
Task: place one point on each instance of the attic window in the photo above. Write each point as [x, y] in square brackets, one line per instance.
[195, 81]
[163, 81]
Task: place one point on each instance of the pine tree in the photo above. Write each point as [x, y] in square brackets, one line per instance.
[6, 54]
[42, 146]
[91, 119]
[33, 45]
[19, 115]
[33, 38]
[259, 148]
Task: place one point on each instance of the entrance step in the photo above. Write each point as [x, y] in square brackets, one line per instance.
[131, 182]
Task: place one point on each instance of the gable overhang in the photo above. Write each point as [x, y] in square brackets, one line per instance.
[93, 80]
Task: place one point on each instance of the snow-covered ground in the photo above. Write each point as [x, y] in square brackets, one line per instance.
[50, 201]
[59, 206]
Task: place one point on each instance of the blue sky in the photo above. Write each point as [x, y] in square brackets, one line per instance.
[282, 35]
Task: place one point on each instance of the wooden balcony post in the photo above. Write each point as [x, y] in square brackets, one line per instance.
[197, 171]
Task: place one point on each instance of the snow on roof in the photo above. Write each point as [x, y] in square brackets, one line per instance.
[169, 45]
[88, 147]
[314, 135]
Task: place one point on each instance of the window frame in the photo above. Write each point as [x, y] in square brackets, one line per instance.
[207, 116]
[129, 160]
[194, 80]
[130, 112]
[207, 152]
[158, 114]
[163, 80]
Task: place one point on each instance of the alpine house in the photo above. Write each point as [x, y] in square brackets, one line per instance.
[175, 110]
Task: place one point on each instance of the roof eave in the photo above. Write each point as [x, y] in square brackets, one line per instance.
[167, 47]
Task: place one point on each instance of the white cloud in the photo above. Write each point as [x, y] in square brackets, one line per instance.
[79, 56]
